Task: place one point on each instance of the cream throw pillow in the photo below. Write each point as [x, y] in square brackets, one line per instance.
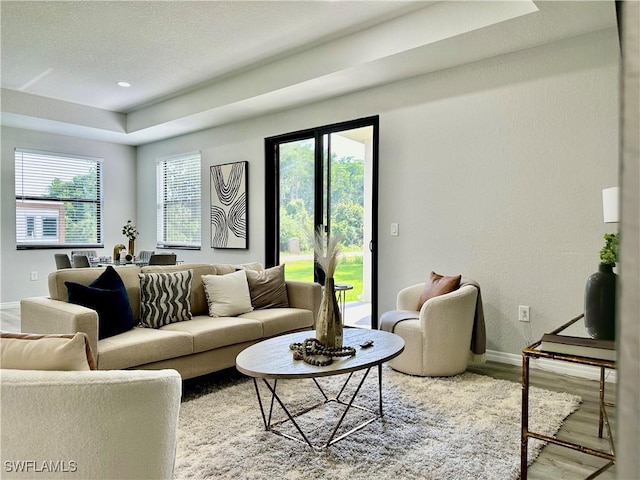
[227, 295]
[24, 351]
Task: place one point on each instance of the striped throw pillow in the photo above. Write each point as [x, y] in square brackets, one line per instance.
[164, 298]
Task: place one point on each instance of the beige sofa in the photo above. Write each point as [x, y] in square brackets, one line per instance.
[194, 347]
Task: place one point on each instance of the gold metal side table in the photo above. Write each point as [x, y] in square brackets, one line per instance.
[591, 355]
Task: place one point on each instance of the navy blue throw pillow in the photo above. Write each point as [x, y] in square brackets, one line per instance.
[106, 295]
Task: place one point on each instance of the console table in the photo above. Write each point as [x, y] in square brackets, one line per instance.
[590, 353]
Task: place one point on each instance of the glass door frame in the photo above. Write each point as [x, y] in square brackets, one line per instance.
[272, 194]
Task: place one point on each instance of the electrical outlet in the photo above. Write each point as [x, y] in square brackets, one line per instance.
[523, 313]
[34, 276]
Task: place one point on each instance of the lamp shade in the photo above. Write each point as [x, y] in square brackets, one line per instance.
[610, 204]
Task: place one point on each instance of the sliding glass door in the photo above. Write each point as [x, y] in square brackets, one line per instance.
[326, 178]
[296, 200]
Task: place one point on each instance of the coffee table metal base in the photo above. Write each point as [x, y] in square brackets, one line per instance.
[291, 417]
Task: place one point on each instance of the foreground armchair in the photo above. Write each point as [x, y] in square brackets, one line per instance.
[89, 424]
[438, 336]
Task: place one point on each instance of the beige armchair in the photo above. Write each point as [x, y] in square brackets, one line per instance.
[89, 424]
[437, 343]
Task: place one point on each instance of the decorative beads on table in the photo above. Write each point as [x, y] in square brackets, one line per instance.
[312, 348]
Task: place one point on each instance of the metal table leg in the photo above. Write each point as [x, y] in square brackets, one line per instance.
[273, 426]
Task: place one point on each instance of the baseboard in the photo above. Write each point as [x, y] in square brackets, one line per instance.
[557, 366]
[8, 305]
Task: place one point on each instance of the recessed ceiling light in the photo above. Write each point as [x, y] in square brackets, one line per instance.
[123, 84]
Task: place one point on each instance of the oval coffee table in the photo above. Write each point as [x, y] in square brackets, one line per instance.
[273, 360]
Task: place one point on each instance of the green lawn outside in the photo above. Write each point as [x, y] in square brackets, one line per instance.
[349, 271]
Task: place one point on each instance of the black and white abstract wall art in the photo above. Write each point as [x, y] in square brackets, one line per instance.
[229, 205]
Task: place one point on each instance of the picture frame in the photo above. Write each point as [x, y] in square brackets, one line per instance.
[229, 205]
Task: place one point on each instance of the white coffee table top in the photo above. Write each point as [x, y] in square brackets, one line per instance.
[272, 358]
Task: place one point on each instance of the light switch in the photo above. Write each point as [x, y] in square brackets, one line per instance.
[394, 230]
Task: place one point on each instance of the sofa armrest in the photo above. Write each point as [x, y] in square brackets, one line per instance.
[305, 295]
[44, 315]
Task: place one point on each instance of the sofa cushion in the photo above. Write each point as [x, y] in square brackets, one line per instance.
[438, 285]
[164, 298]
[209, 333]
[106, 295]
[128, 274]
[281, 320]
[31, 351]
[268, 288]
[140, 345]
[227, 295]
[198, 300]
[224, 268]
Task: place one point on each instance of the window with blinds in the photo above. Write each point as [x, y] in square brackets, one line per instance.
[179, 206]
[58, 200]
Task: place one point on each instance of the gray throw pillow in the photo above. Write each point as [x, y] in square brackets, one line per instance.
[164, 298]
[268, 288]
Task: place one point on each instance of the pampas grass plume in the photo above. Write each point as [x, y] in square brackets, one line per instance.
[328, 260]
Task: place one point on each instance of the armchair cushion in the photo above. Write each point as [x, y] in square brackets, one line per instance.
[438, 285]
[30, 351]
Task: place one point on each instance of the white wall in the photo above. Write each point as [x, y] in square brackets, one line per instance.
[498, 174]
[628, 394]
[119, 205]
[493, 170]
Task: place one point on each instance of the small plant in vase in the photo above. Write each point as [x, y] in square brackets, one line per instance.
[600, 293]
[329, 328]
[131, 232]
[609, 253]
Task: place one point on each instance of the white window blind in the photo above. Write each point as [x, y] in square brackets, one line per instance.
[58, 200]
[179, 206]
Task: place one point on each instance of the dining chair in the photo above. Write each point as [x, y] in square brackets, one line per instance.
[88, 253]
[163, 259]
[62, 260]
[144, 256]
[81, 261]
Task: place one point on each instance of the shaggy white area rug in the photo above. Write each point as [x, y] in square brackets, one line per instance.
[462, 427]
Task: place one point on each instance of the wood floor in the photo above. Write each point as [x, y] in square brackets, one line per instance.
[554, 462]
[581, 427]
